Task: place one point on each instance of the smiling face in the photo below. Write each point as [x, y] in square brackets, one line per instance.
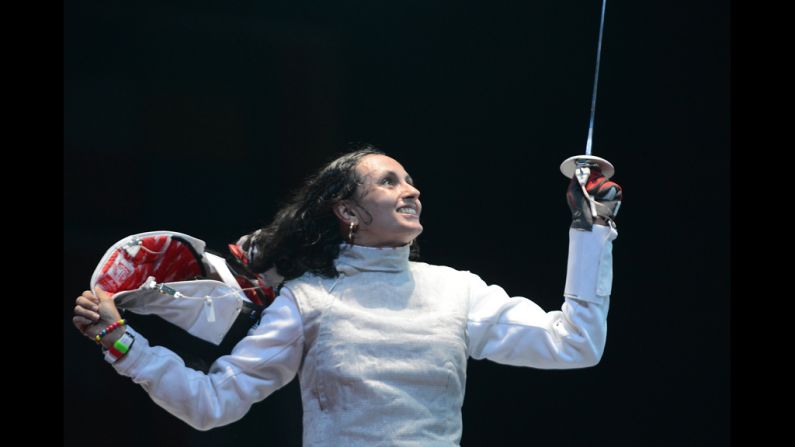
[386, 205]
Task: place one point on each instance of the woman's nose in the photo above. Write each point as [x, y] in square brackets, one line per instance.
[412, 190]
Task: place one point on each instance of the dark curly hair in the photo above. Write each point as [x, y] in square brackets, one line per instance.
[305, 236]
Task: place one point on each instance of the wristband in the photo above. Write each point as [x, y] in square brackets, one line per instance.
[120, 348]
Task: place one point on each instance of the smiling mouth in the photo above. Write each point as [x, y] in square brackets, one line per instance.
[407, 210]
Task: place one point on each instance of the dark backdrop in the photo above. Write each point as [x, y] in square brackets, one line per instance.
[200, 118]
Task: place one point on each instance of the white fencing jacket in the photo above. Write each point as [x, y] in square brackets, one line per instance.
[381, 350]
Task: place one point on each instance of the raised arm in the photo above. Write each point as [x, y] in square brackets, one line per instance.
[516, 331]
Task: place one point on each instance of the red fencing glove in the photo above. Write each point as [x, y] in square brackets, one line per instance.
[595, 197]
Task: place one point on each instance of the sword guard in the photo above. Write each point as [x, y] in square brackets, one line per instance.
[570, 165]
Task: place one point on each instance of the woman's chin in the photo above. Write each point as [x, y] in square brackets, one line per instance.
[416, 230]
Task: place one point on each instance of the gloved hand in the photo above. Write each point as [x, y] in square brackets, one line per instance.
[603, 198]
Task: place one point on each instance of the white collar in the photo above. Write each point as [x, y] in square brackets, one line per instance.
[372, 259]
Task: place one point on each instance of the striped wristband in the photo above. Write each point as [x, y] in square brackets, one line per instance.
[119, 348]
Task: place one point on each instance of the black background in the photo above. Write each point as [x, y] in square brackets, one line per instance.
[200, 118]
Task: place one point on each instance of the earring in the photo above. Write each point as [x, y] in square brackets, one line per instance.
[351, 229]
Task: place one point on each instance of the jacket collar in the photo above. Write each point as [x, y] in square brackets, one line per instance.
[358, 258]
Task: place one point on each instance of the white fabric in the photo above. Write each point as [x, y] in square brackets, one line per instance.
[385, 350]
[219, 267]
[260, 363]
[589, 272]
[206, 309]
[509, 330]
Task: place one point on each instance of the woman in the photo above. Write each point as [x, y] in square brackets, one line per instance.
[380, 342]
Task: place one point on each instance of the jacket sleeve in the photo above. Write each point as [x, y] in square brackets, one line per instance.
[516, 331]
[262, 362]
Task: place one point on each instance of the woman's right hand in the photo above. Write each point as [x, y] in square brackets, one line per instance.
[95, 312]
